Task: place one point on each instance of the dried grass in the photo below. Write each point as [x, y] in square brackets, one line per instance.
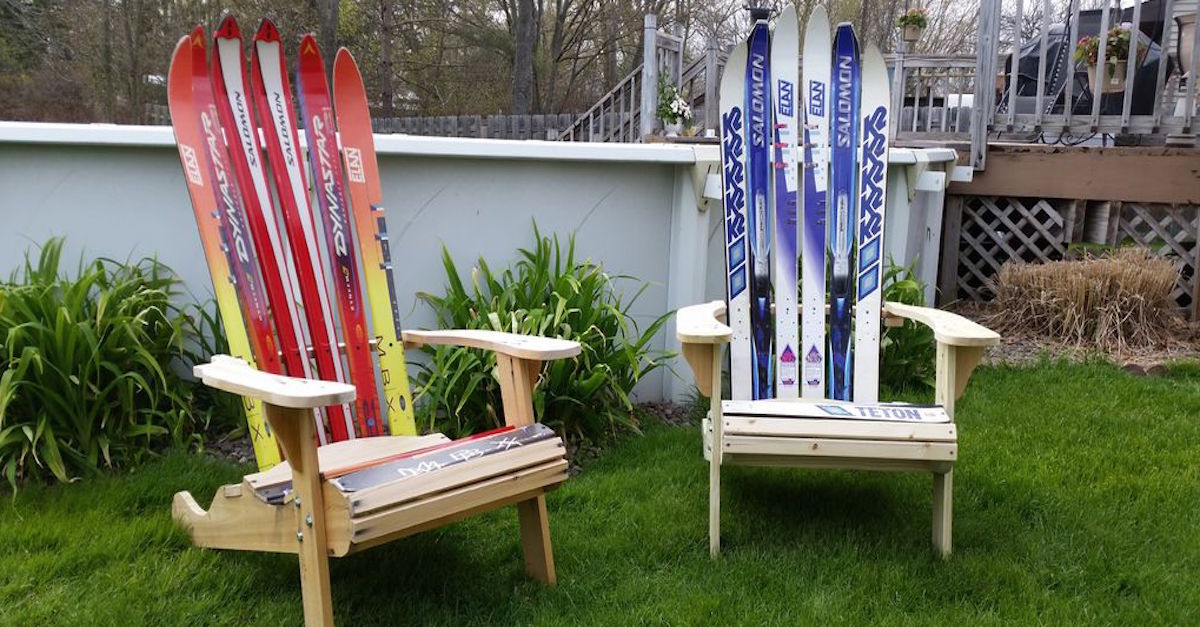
[1115, 302]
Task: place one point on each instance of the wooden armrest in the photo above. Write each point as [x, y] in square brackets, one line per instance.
[234, 375]
[702, 324]
[511, 344]
[948, 328]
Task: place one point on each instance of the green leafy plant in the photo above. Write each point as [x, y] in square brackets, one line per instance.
[1116, 49]
[547, 292]
[89, 366]
[908, 351]
[915, 16]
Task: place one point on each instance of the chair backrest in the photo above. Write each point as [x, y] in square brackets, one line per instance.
[804, 175]
[295, 308]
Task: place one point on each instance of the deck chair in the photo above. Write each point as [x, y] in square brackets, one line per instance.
[344, 484]
[759, 424]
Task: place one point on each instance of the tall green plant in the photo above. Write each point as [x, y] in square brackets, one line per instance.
[86, 365]
[908, 351]
[547, 292]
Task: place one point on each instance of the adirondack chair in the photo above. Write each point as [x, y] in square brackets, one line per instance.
[809, 432]
[779, 432]
[333, 494]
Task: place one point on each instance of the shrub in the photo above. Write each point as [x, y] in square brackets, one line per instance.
[86, 371]
[548, 292]
[907, 351]
[915, 16]
[1113, 301]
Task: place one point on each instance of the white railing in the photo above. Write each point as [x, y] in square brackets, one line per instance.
[932, 95]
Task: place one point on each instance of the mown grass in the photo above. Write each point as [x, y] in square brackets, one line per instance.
[1075, 503]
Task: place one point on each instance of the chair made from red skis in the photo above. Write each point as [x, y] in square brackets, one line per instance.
[344, 496]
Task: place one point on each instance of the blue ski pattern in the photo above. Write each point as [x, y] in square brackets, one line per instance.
[844, 196]
[758, 109]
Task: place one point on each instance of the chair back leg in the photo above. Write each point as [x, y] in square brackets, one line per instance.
[714, 463]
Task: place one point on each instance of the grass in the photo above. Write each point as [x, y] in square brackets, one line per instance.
[1075, 503]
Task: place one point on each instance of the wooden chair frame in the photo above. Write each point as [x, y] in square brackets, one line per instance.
[318, 520]
[759, 433]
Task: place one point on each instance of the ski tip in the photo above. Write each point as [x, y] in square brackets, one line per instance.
[267, 31]
[344, 59]
[228, 28]
[196, 38]
[308, 47]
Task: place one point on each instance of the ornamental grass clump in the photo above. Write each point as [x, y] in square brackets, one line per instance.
[88, 372]
[1114, 302]
[551, 293]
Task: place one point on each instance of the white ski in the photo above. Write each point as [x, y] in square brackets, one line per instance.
[733, 187]
[785, 71]
[817, 58]
[869, 228]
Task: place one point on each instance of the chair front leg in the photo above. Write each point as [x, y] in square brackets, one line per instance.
[517, 378]
[943, 511]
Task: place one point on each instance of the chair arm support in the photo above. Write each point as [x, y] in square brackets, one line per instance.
[701, 330]
[530, 347]
[234, 375]
[960, 344]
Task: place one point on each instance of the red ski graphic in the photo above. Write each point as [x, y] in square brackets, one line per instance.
[273, 102]
[323, 155]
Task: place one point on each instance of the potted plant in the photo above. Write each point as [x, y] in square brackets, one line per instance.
[911, 23]
[1116, 54]
[673, 110]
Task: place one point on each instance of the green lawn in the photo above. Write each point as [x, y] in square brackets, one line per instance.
[1076, 502]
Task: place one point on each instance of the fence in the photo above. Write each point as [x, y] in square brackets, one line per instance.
[548, 126]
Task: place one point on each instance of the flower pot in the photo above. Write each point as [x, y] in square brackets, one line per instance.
[1114, 77]
[673, 129]
[910, 33]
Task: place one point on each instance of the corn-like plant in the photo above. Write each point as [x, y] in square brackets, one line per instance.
[87, 366]
[547, 292]
[908, 351]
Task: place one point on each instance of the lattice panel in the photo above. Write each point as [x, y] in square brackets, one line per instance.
[996, 229]
[1170, 231]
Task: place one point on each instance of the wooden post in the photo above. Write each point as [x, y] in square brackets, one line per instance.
[517, 378]
[649, 75]
[294, 428]
[951, 232]
[985, 75]
[712, 84]
[714, 462]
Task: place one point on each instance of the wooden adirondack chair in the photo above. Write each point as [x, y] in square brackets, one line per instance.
[344, 496]
[769, 433]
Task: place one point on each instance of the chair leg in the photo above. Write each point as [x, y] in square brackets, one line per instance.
[714, 504]
[535, 539]
[943, 511]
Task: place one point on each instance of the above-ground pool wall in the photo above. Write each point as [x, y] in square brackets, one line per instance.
[648, 211]
[119, 192]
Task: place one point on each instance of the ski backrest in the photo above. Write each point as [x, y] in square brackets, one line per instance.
[842, 109]
[266, 247]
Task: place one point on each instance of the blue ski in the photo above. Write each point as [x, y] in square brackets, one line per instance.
[843, 192]
[758, 179]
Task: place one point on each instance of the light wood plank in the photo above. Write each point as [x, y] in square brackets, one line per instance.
[699, 358]
[475, 495]
[817, 409]
[829, 447]
[337, 456]
[471, 471]
[843, 429]
[511, 344]
[234, 375]
[535, 540]
[943, 511]
[701, 324]
[948, 328]
[838, 463]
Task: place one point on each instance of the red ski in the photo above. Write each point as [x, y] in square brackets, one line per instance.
[323, 155]
[272, 97]
[233, 106]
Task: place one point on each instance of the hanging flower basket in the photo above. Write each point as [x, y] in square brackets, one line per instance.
[911, 34]
[1116, 55]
